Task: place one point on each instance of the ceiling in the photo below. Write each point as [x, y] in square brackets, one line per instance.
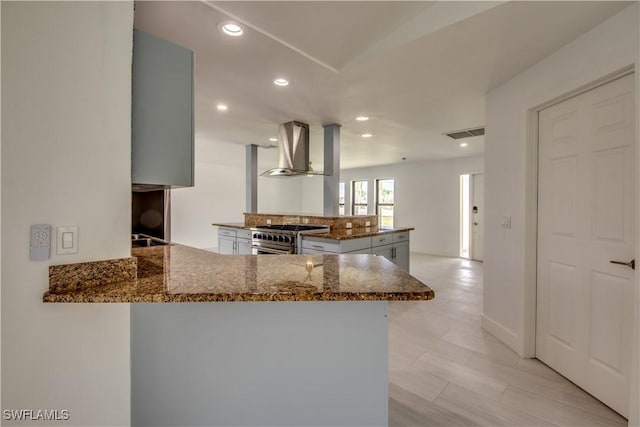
[419, 69]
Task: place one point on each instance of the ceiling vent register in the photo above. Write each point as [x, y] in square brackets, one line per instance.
[459, 134]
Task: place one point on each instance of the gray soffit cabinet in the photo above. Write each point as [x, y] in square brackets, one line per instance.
[162, 134]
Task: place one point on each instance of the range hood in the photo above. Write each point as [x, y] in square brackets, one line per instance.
[293, 139]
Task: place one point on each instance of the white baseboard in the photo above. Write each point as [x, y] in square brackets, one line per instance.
[506, 336]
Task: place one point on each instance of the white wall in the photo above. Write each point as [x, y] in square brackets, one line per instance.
[427, 197]
[280, 195]
[66, 80]
[313, 194]
[608, 47]
[219, 193]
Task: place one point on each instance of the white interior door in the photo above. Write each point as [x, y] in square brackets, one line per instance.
[586, 217]
[477, 216]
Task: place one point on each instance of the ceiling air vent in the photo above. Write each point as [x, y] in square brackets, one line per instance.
[459, 134]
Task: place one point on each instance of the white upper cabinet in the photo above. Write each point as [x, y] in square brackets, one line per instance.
[162, 134]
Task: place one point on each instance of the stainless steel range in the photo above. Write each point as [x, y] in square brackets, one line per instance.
[281, 239]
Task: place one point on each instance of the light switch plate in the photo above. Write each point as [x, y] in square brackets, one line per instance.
[40, 242]
[506, 222]
[367, 224]
[66, 240]
[349, 225]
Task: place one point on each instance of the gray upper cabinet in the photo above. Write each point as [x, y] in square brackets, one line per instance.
[162, 133]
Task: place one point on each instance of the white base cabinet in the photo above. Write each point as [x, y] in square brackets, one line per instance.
[401, 255]
[385, 251]
[232, 241]
[311, 245]
[243, 246]
[226, 245]
[393, 246]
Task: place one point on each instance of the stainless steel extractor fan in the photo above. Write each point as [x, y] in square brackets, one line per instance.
[293, 140]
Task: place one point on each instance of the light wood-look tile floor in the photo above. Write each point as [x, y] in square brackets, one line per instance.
[444, 370]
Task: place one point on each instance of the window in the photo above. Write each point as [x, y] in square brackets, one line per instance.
[341, 198]
[359, 197]
[385, 189]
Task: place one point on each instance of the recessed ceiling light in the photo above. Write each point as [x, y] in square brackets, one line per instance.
[281, 82]
[231, 28]
[362, 118]
[222, 107]
[463, 144]
[273, 139]
[367, 135]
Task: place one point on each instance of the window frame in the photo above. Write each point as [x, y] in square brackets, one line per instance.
[353, 198]
[378, 204]
[342, 188]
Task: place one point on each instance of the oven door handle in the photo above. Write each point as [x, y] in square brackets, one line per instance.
[271, 250]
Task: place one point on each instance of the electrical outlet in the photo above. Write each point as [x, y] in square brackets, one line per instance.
[349, 225]
[268, 222]
[40, 242]
[367, 224]
[305, 220]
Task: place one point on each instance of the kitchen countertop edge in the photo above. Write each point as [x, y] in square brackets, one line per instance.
[239, 225]
[96, 297]
[198, 266]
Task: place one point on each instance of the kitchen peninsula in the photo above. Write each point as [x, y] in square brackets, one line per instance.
[314, 351]
[177, 273]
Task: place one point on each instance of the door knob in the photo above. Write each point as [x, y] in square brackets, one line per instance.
[631, 263]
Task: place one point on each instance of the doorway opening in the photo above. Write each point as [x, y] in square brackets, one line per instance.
[465, 202]
[471, 216]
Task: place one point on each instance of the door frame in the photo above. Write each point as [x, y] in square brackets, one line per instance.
[531, 204]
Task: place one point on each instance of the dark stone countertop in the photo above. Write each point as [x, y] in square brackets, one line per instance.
[177, 273]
